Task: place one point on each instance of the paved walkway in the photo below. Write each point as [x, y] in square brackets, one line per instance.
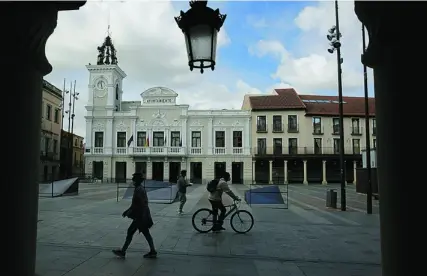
[76, 235]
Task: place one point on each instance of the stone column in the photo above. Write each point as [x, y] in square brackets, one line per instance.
[324, 181]
[89, 143]
[149, 172]
[253, 171]
[109, 147]
[166, 170]
[398, 78]
[188, 167]
[228, 168]
[25, 28]
[184, 131]
[210, 138]
[354, 171]
[270, 176]
[247, 137]
[285, 172]
[305, 182]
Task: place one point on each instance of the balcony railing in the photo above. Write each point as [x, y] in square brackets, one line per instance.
[278, 127]
[98, 150]
[293, 128]
[261, 128]
[238, 151]
[121, 151]
[169, 151]
[196, 150]
[158, 150]
[286, 150]
[219, 150]
[176, 151]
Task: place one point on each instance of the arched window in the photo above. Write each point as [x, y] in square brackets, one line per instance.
[117, 91]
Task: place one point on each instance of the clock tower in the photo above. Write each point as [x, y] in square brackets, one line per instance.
[105, 80]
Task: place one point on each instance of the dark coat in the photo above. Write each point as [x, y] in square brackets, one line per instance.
[139, 210]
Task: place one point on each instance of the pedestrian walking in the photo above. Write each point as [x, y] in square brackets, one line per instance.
[182, 190]
[142, 221]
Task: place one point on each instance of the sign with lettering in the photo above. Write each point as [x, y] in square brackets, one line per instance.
[159, 101]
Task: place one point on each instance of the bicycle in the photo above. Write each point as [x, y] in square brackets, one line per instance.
[208, 218]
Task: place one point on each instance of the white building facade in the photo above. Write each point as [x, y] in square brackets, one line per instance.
[158, 137]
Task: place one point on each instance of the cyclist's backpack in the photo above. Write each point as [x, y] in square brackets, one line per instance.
[211, 187]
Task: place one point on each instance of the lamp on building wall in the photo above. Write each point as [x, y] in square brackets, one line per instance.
[334, 37]
[200, 25]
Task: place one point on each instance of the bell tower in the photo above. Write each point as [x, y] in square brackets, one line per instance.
[105, 79]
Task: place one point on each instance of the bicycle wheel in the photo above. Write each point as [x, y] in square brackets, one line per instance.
[242, 217]
[204, 218]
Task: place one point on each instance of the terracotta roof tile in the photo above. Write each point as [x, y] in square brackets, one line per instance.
[285, 99]
[328, 105]
[313, 104]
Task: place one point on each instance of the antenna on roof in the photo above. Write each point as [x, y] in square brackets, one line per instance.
[109, 21]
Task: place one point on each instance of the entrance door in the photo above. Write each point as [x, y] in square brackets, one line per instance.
[141, 167]
[174, 171]
[120, 172]
[196, 172]
[237, 173]
[219, 169]
[157, 171]
[98, 169]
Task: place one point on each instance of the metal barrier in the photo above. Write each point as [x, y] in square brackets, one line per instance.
[151, 186]
[278, 187]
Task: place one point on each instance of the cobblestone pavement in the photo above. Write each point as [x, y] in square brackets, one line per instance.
[76, 235]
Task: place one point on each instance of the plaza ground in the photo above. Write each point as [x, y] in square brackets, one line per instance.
[76, 235]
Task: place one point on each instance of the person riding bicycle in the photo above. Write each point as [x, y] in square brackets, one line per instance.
[215, 198]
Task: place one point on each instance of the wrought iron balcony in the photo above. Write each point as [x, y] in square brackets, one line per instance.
[286, 151]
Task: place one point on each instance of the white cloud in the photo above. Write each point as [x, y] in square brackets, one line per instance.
[150, 49]
[310, 67]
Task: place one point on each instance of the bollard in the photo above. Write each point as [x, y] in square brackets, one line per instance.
[331, 198]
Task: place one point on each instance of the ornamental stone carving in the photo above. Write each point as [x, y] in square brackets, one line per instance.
[98, 126]
[196, 123]
[159, 115]
[219, 123]
[121, 126]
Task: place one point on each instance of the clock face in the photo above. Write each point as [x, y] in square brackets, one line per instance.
[101, 85]
[100, 93]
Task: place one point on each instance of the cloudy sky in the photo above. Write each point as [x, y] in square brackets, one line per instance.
[263, 45]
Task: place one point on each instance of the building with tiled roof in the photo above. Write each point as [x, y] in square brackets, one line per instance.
[295, 138]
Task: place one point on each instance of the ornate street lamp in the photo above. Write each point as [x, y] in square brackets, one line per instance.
[200, 25]
[334, 36]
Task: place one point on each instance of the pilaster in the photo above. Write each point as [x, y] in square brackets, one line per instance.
[26, 26]
[396, 52]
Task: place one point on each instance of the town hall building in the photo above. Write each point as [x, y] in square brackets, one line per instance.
[157, 136]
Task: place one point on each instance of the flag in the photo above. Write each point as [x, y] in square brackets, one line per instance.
[180, 143]
[130, 140]
[148, 142]
[165, 141]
